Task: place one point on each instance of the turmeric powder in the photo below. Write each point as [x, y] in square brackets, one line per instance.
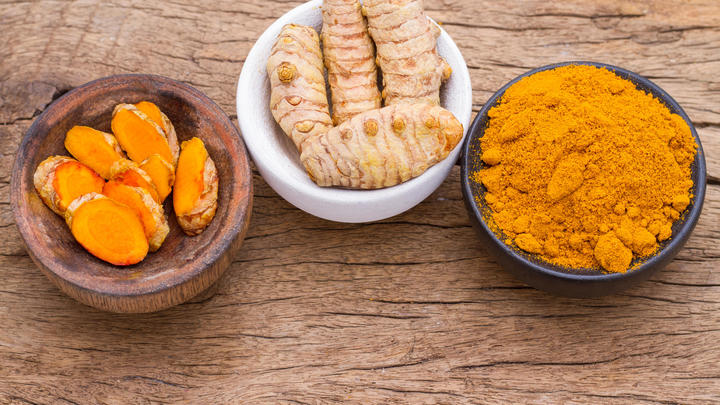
[584, 169]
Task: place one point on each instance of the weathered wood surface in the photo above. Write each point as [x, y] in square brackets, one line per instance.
[406, 310]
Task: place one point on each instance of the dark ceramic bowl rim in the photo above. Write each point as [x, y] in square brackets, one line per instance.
[226, 237]
[675, 243]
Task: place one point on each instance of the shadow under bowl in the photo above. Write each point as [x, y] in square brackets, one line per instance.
[183, 266]
[557, 279]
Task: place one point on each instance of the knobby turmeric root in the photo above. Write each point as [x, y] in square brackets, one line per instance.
[350, 60]
[196, 187]
[406, 47]
[139, 136]
[109, 230]
[96, 149]
[156, 115]
[150, 212]
[162, 174]
[298, 99]
[382, 148]
[60, 179]
[129, 173]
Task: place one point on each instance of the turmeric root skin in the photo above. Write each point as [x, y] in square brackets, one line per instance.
[128, 172]
[150, 212]
[382, 148]
[298, 99]
[60, 179]
[96, 149]
[350, 59]
[162, 174]
[138, 135]
[196, 187]
[107, 229]
[406, 51]
[156, 115]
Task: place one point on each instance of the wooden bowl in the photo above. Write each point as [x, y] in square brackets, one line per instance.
[184, 266]
[557, 279]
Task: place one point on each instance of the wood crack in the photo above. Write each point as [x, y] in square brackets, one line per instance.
[387, 366]
[155, 380]
[373, 315]
[495, 27]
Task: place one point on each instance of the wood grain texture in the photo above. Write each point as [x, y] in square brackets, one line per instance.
[405, 310]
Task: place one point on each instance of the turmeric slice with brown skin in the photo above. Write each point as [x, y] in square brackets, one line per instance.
[196, 187]
[60, 179]
[138, 135]
[382, 148]
[150, 212]
[156, 115]
[109, 230]
[162, 174]
[96, 149]
[128, 172]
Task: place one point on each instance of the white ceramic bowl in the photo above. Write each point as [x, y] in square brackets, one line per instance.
[279, 162]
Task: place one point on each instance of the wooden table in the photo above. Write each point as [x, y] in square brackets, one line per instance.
[406, 310]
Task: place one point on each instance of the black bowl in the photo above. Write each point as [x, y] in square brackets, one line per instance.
[560, 280]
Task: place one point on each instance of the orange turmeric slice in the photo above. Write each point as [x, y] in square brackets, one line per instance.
[61, 179]
[107, 229]
[96, 149]
[150, 212]
[156, 115]
[196, 187]
[153, 112]
[138, 135]
[129, 173]
[162, 174]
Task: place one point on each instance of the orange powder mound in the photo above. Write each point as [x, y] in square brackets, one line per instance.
[584, 169]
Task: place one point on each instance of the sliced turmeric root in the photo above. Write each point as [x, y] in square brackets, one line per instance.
[96, 149]
[150, 212]
[107, 229]
[156, 115]
[138, 135]
[61, 179]
[196, 187]
[162, 174]
[129, 173]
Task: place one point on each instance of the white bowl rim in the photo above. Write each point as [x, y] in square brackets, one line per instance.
[339, 204]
